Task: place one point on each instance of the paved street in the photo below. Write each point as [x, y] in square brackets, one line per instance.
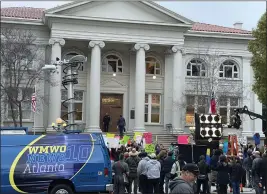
[245, 191]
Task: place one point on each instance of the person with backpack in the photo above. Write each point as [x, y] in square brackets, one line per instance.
[176, 169]
[236, 173]
[133, 162]
[121, 171]
[202, 178]
[153, 174]
[141, 171]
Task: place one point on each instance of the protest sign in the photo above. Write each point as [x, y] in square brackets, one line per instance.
[137, 134]
[124, 140]
[148, 137]
[150, 148]
[110, 135]
[113, 142]
[183, 139]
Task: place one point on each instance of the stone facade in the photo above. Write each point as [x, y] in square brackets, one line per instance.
[152, 48]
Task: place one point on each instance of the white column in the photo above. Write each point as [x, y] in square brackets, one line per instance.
[140, 76]
[38, 126]
[178, 82]
[248, 97]
[55, 86]
[94, 93]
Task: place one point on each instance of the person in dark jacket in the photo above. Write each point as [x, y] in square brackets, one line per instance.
[182, 163]
[263, 170]
[121, 125]
[213, 165]
[167, 166]
[202, 178]
[256, 173]
[236, 173]
[223, 175]
[247, 164]
[119, 168]
[106, 121]
[133, 162]
[161, 157]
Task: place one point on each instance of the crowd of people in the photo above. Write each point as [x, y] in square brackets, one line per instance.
[165, 171]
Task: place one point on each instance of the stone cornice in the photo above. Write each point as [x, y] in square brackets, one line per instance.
[61, 41]
[218, 52]
[93, 43]
[219, 35]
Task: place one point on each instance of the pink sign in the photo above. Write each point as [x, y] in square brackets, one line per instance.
[148, 137]
[183, 139]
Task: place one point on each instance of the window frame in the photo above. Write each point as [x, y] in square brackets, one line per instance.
[75, 101]
[154, 64]
[199, 62]
[228, 107]
[150, 104]
[195, 106]
[105, 60]
[29, 100]
[224, 65]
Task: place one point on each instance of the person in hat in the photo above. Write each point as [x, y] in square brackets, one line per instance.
[133, 162]
[184, 183]
[153, 169]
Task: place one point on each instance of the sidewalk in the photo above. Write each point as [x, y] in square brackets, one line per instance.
[245, 190]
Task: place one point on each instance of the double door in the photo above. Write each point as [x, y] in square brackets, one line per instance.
[113, 105]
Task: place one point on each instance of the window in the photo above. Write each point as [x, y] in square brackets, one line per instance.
[152, 108]
[25, 105]
[69, 55]
[78, 105]
[28, 63]
[226, 108]
[194, 104]
[112, 64]
[195, 68]
[228, 69]
[152, 66]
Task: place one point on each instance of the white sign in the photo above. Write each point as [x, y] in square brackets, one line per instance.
[13, 132]
[242, 140]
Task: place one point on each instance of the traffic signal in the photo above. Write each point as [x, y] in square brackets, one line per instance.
[210, 126]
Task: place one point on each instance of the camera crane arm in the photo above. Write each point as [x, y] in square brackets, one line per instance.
[245, 110]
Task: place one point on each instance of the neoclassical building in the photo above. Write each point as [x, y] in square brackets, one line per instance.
[145, 62]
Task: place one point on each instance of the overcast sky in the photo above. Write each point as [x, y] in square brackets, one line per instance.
[220, 13]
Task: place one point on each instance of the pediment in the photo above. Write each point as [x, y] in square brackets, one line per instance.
[120, 10]
[113, 83]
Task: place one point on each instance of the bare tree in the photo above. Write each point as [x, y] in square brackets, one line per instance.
[21, 62]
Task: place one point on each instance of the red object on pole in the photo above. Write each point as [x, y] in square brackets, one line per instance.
[212, 104]
[33, 102]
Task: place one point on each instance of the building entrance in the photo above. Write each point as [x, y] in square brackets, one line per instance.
[113, 105]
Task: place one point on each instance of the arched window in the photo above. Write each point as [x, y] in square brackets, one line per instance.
[112, 63]
[69, 55]
[229, 69]
[196, 67]
[152, 66]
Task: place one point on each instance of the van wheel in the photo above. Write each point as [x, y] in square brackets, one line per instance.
[61, 189]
